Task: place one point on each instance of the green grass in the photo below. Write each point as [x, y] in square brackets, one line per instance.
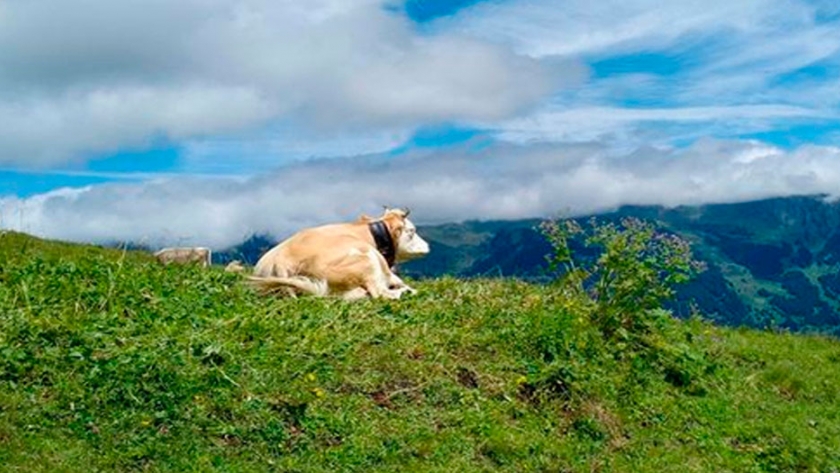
[110, 362]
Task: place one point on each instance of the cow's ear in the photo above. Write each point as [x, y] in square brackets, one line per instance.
[395, 223]
[401, 213]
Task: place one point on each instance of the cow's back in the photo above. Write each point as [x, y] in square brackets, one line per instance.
[307, 251]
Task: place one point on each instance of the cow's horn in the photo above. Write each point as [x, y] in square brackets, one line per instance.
[406, 211]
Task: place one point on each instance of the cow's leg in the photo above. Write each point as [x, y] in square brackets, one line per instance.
[377, 288]
[396, 283]
[355, 294]
[378, 282]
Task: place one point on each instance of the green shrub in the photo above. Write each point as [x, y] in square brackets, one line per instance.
[634, 273]
[620, 291]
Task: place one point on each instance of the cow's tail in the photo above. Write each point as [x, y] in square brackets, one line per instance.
[293, 285]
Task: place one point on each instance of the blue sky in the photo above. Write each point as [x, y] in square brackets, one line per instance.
[205, 115]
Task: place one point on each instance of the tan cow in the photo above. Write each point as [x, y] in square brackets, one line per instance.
[235, 266]
[352, 260]
[198, 255]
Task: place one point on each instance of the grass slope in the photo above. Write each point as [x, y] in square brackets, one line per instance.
[109, 362]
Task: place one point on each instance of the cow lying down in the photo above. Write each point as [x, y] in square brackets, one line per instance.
[351, 260]
[185, 255]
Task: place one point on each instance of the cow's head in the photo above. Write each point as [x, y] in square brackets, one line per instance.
[408, 243]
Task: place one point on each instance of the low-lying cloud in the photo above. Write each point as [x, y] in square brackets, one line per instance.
[502, 181]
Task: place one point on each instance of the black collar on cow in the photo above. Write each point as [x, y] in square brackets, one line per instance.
[384, 242]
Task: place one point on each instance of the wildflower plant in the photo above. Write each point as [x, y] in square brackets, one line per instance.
[635, 271]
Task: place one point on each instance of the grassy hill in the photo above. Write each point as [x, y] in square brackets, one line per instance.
[771, 263]
[110, 362]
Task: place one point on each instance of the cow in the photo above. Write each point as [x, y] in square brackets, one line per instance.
[235, 266]
[185, 255]
[352, 260]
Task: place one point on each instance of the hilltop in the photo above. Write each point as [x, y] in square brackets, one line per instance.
[771, 263]
[109, 361]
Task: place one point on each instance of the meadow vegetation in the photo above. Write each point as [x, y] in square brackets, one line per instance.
[111, 362]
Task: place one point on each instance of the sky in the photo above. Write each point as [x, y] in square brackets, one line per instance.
[202, 122]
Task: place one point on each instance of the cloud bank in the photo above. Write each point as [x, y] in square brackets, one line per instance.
[501, 182]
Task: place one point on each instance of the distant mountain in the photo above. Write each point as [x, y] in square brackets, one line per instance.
[249, 251]
[773, 262]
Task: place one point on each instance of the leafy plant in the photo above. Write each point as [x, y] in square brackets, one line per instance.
[634, 273]
[619, 276]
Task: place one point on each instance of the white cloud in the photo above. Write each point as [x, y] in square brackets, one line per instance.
[225, 79]
[261, 152]
[46, 132]
[580, 27]
[505, 181]
[614, 124]
[737, 58]
[99, 75]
